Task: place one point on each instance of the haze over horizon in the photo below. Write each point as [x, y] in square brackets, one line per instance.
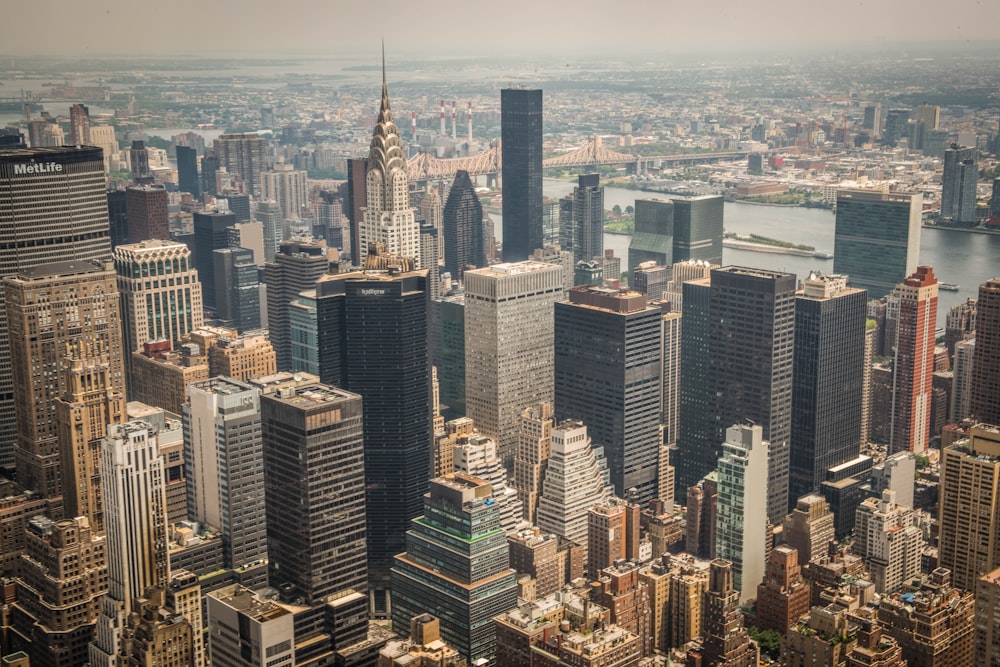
[628, 27]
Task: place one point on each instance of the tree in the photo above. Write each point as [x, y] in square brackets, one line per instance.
[616, 209]
[629, 210]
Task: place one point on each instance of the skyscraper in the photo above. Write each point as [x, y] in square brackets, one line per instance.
[314, 473]
[354, 206]
[210, 234]
[462, 221]
[984, 392]
[373, 341]
[958, 185]
[287, 186]
[53, 207]
[877, 238]
[138, 159]
[296, 267]
[456, 566]
[224, 465]
[913, 367]
[746, 355]
[146, 207]
[187, 171]
[694, 439]
[50, 307]
[830, 321]
[153, 309]
[243, 154]
[895, 126]
[608, 371]
[741, 526]
[588, 218]
[136, 523]
[726, 641]
[698, 228]
[653, 239]
[388, 218]
[534, 447]
[521, 145]
[79, 120]
[209, 168]
[509, 344]
[237, 288]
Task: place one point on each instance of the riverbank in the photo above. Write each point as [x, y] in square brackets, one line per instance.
[777, 250]
[968, 230]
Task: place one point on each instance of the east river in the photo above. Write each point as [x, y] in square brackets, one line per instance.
[965, 259]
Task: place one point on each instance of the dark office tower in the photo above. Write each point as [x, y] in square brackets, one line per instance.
[11, 137]
[958, 185]
[209, 167]
[209, 235]
[118, 217]
[694, 458]
[451, 371]
[269, 216]
[314, 479]
[187, 171]
[237, 288]
[873, 118]
[913, 367]
[373, 341]
[751, 342]
[588, 218]
[245, 155]
[357, 196]
[146, 207]
[895, 125]
[653, 239]
[79, 121]
[239, 205]
[53, 207]
[456, 566]
[830, 324]
[48, 308]
[521, 134]
[608, 371]
[876, 239]
[296, 268]
[995, 198]
[984, 395]
[462, 220]
[698, 228]
[139, 160]
[429, 258]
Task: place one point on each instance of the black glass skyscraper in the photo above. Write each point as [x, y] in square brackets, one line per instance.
[373, 341]
[698, 225]
[187, 171]
[748, 346]
[462, 220]
[588, 218]
[209, 235]
[521, 134]
[697, 453]
[827, 376]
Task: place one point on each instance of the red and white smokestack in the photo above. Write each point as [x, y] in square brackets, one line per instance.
[413, 124]
[470, 123]
[444, 128]
[454, 121]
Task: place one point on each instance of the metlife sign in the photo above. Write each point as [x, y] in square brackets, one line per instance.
[33, 168]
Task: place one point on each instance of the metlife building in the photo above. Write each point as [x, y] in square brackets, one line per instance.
[53, 207]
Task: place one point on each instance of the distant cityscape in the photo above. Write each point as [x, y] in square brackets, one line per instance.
[310, 368]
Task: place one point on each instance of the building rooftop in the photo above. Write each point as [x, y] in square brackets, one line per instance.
[67, 268]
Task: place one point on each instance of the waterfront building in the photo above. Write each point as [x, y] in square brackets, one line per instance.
[741, 524]
[913, 367]
[984, 392]
[456, 566]
[958, 185]
[53, 208]
[50, 307]
[827, 376]
[653, 238]
[587, 219]
[698, 226]
[521, 145]
[608, 370]
[877, 238]
[462, 223]
[509, 335]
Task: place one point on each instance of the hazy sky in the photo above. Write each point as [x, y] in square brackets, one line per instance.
[504, 27]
